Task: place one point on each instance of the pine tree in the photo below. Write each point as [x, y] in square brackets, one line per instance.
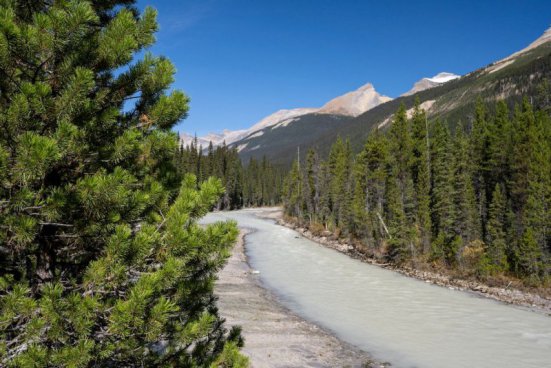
[103, 263]
[401, 148]
[293, 192]
[495, 233]
[311, 184]
[396, 219]
[538, 202]
[359, 227]
[442, 194]
[499, 136]
[421, 174]
[528, 257]
[325, 215]
[479, 149]
[340, 170]
[467, 222]
[374, 165]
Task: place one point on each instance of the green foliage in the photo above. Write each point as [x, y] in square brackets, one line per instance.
[496, 252]
[292, 192]
[256, 184]
[231, 357]
[478, 199]
[102, 260]
[442, 188]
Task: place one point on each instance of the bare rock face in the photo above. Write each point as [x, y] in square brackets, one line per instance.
[350, 104]
[355, 103]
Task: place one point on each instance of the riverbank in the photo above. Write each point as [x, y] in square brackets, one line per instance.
[275, 336]
[510, 295]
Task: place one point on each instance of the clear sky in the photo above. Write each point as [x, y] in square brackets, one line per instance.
[241, 60]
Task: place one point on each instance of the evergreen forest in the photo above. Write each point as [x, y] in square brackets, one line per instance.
[103, 259]
[476, 200]
[258, 183]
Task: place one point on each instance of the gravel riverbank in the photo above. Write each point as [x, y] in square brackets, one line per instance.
[275, 336]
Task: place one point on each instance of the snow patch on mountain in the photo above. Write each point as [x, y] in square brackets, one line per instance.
[257, 134]
[427, 83]
[443, 77]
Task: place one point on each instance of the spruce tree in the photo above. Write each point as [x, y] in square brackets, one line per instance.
[528, 257]
[340, 170]
[401, 148]
[395, 217]
[467, 221]
[499, 136]
[374, 164]
[495, 233]
[421, 174]
[479, 149]
[292, 191]
[325, 215]
[103, 263]
[442, 194]
[538, 201]
[311, 184]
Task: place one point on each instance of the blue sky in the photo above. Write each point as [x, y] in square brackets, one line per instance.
[241, 60]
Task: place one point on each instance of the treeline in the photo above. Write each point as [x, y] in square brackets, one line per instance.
[476, 200]
[258, 183]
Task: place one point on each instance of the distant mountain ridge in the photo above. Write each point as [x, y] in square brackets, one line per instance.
[350, 104]
[444, 96]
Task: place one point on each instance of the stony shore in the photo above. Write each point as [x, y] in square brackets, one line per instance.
[534, 302]
[275, 336]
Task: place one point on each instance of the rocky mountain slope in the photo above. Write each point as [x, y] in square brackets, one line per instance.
[350, 104]
[444, 96]
[511, 78]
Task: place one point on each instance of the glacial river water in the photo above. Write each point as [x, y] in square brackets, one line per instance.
[395, 318]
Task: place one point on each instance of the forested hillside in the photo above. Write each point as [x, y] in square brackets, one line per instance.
[476, 199]
[510, 79]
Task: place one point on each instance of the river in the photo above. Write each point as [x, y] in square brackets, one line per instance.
[395, 318]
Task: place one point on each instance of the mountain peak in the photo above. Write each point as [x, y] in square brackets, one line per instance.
[427, 83]
[367, 86]
[356, 102]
